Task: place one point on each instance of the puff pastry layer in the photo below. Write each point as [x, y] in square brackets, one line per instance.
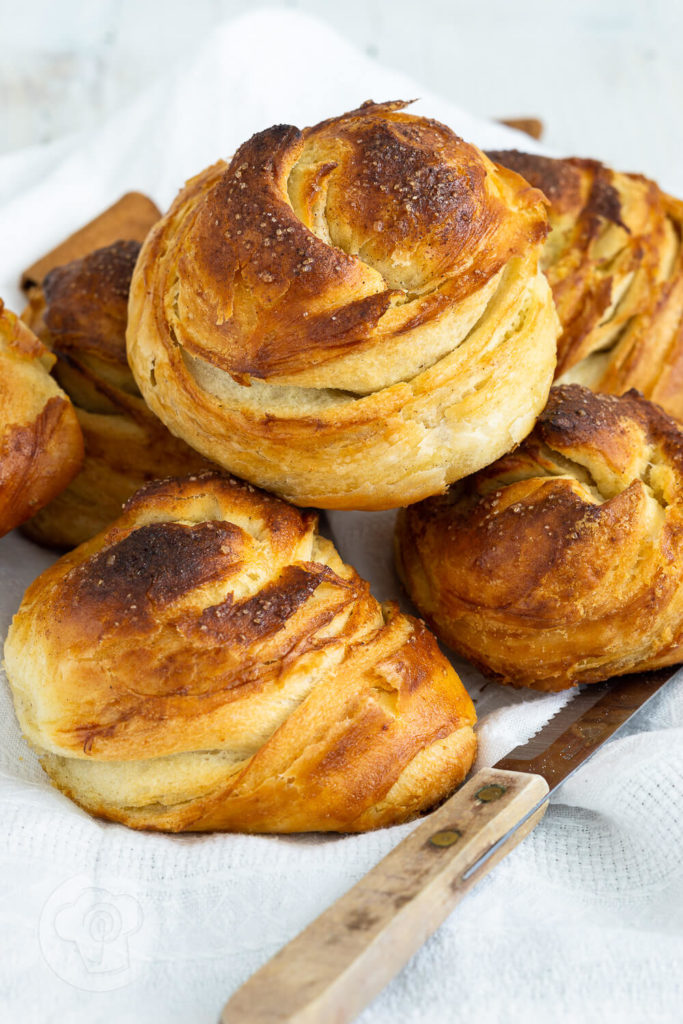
[615, 263]
[209, 662]
[351, 316]
[561, 563]
[80, 314]
[41, 448]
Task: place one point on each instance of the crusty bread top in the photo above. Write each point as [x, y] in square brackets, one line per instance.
[87, 303]
[615, 264]
[41, 448]
[80, 312]
[209, 661]
[351, 316]
[561, 562]
[315, 246]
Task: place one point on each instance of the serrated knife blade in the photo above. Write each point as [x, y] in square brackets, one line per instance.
[591, 718]
[351, 951]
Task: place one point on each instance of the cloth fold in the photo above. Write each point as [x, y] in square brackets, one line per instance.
[583, 921]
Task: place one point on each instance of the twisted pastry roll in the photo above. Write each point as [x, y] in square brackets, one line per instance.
[41, 448]
[351, 316]
[209, 662]
[615, 264]
[561, 563]
[80, 313]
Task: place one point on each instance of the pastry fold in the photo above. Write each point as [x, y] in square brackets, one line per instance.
[80, 313]
[562, 562]
[41, 447]
[615, 264]
[209, 662]
[351, 316]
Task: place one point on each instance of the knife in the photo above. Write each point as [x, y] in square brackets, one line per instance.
[345, 957]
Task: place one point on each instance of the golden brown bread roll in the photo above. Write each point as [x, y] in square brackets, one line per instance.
[615, 264]
[209, 662]
[80, 313]
[351, 316]
[561, 563]
[41, 447]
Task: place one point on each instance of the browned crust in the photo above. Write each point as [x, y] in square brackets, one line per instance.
[615, 264]
[561, 562]
[211, 621]
[261, 294]
[335, 296]
[37, 461]
[152, 567]
[41, 447]
[81, 314]
[86, 303]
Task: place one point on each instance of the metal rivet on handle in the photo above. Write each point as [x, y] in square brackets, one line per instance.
[487, 794]
[445, 838]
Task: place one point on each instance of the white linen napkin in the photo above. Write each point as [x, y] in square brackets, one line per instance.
[102, 924]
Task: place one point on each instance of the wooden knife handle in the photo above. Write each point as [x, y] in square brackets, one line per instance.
[328, 973]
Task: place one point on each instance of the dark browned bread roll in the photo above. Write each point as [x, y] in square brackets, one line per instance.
[561, 563]
[80, 312]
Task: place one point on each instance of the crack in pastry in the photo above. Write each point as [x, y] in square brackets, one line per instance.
[80, 313]
[560, 563]
[615, 264]
[209, 662]
[365, 292]
[41, 447]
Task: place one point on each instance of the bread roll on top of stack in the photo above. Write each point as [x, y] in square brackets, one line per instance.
[351, 316]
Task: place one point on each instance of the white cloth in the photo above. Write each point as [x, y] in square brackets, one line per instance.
[101, 924]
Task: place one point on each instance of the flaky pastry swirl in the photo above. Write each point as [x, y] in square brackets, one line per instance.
[615, 263]
[209, 662]
[351, 316]
[562, 562]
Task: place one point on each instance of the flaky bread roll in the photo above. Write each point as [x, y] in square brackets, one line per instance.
[80, 313]
[561, 563]
[41, 447]
[209, 662]
[351, 316]
[615, 264]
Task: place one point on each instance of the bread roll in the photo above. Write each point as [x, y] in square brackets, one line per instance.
[209, 662]
[351, 316]
[41, 448]
[615, 264]
[80, 313]
[563, 562]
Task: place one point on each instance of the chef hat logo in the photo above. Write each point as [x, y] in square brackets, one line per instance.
[99, 923]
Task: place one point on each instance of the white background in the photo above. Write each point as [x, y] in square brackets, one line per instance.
[606, 76]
